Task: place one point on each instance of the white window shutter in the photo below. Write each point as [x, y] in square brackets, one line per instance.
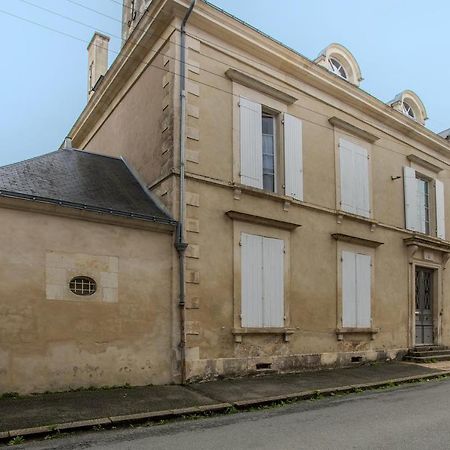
[410, 188]
[347, 177]
[273, 282]
[361, 176]
[440, 210]
[348, 289]
[251, 280]
[363, 291]
[251, 143]
[293, 156]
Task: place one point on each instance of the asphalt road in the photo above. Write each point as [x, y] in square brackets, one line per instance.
[412, 417]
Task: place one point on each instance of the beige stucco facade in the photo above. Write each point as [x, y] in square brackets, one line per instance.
[315, 230]
[135, 113]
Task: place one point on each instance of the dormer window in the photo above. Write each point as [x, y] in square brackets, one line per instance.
[339, 61]
[337, 68]
[409, 104]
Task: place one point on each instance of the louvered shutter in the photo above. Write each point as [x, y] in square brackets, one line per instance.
[251, 280]
[273, 282]
[410, 188]
[347, 176]
[348, 289]
[363, 291]
[440, 210]
[251, 143]
[293, 157]
[361, 176]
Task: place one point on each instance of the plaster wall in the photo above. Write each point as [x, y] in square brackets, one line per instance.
[53, 340]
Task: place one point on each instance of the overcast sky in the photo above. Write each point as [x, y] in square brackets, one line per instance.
[399, 45]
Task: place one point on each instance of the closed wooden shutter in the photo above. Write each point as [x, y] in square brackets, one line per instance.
[356, 290]
[347, 177]
[251, 143]
[361, 176]
[440, 210]
[410, 192]
[293, 157]
[348, 289]
[363, 291]
[273, 282]
[251, 280]
[354, 173]
[262, 281]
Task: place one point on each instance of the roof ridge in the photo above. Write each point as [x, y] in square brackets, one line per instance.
[29, 159]
[92, 153]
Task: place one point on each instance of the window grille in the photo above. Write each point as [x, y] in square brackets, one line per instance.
[83, 286]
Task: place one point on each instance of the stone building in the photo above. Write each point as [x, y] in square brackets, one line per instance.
[311, 220]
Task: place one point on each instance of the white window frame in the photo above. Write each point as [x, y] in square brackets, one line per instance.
[276, 155]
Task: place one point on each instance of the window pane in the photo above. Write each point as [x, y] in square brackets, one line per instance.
[267, 124]
[268, 144]
[268, 183]
[423, 206]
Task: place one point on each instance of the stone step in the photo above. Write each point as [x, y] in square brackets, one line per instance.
[425, 348]
[424, 359]
[429, 353]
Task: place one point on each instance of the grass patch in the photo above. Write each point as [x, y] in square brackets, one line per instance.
[17, 440]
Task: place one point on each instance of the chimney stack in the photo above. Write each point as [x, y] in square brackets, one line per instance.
[97, 60]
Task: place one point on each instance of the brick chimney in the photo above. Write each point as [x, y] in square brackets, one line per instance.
[97, 60]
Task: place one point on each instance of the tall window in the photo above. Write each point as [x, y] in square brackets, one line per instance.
[268, 149]
[423, 205]
[261, 149]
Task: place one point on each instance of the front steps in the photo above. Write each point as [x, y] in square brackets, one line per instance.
[428, 353]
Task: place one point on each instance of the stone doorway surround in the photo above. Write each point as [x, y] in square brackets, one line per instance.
[430, 253]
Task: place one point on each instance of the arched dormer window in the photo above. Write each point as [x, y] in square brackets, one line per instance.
[408, 103]
[338, 60]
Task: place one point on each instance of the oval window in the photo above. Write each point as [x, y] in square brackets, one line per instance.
[83, 286]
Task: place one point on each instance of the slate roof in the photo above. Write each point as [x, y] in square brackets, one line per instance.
[82, 180]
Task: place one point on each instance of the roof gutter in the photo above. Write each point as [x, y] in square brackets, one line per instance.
[85, 207]
[180, 244]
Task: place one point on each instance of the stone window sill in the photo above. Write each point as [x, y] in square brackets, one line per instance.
[239, 332]
[341, 332]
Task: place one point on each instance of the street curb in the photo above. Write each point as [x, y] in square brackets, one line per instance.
[241, 404]
[305, 395]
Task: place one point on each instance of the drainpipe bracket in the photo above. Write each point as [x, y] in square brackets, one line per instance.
[181, 246]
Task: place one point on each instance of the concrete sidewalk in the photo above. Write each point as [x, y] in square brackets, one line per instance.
[46, 413]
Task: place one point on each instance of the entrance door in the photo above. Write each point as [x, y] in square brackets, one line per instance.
[424, 306]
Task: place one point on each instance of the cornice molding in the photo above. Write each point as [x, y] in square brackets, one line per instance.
[226, 28]
[427, 242]
[353, 129]
[260, 220]
[424, 163]
[356, 240]
[250, 82]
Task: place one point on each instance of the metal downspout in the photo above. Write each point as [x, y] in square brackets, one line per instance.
[181, 245]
